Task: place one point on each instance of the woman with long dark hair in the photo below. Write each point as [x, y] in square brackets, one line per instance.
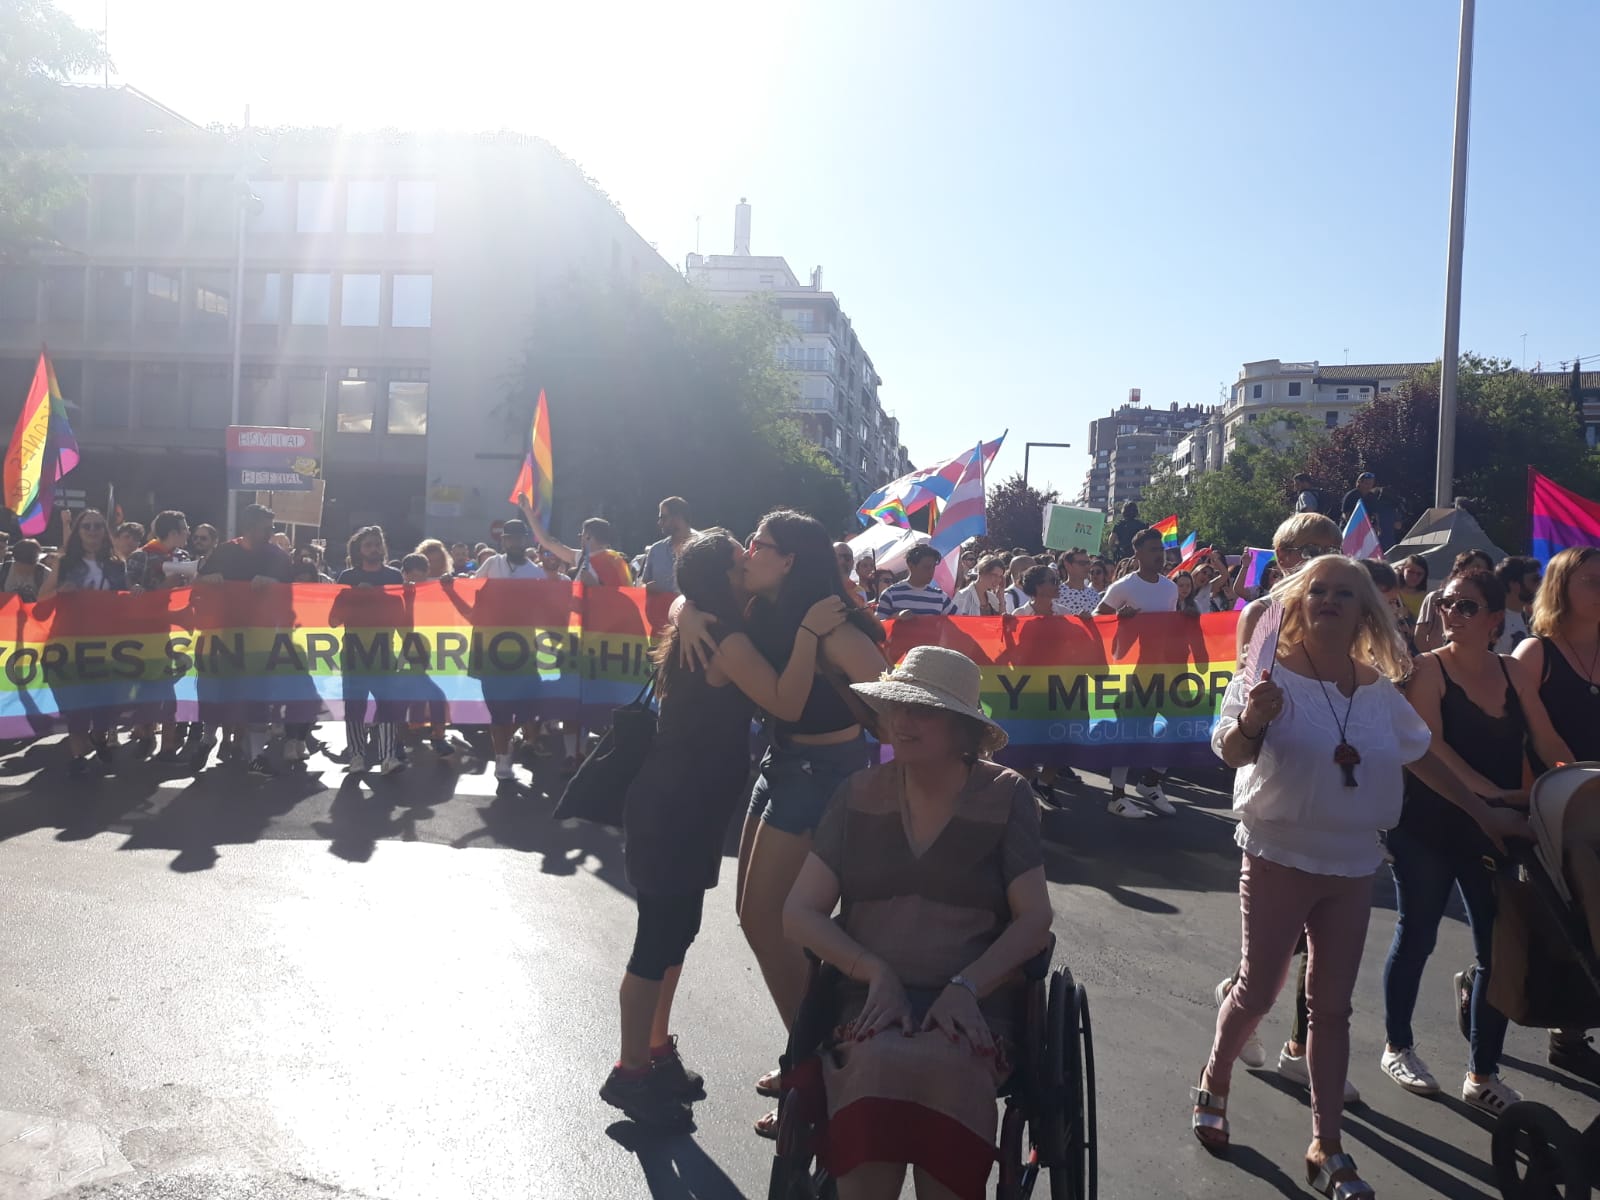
[88, 564]
[678, 808]
[789, 566]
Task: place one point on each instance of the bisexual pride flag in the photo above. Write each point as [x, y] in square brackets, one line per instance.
[1560, 518]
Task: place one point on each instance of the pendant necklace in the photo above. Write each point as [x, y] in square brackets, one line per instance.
[1346, 755]
[1588, 674]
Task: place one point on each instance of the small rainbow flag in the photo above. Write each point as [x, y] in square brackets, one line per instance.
[535, 486]
[890, 512]
[42, 451]
[1168, 529]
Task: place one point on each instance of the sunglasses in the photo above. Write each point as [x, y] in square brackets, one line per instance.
[1462, 605]
[1311, 550]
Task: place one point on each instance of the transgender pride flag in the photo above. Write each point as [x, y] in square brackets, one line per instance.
[1560, 519]
[964, 517]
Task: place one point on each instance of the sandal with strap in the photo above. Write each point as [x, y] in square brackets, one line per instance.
[767, 1126]
[770, 1084]
[1210, 1120]
[1320, 1176]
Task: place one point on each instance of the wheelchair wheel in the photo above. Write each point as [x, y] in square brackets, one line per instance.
[794, 1175]
[1067, 1120]
[1538, 1156]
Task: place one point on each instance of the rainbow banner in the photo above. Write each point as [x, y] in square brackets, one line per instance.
[1095, 693]
[1168, 529]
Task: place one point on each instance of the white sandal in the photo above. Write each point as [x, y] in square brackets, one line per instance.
[1320, 1177]
[1210, 1122]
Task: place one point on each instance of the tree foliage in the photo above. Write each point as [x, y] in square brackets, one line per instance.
[1016, 516]
[1506, 420]
[40, 49]
[658, 391]
[1242, 503]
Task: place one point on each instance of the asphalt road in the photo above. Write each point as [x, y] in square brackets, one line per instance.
[231, 989]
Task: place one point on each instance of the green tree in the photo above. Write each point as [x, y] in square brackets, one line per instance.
[1242, 503]
[658, 391]
[40, 49]
[1015, 514]
[1506, 420]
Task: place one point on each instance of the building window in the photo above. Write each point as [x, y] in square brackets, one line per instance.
[413, 302]
[260, 402]
[1294, 387]
[63, 294]
[413, 206]
[1250, 416]
[270, 212]
[108, 402]
[158, 396]
[408, 407]
[358, 301]
[215, 200]
[308, 301]
[113, 207]
[161, 295]
[1366, 391]
[19, 294]
[764, 280]
[365, 206]
[263, 297]
[313, 208]
[1330, 419]
[1255, 392]
[356, 404]
[209, 397]
[802, 318]
[1383, 391]
[1345, 392]
[305, 399]
[211, 300]
[113, 296]
[163, 207]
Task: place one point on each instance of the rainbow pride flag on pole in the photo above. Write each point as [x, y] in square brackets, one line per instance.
[535, 486]
[1169, 532]
[1560, 518]
[41, 453]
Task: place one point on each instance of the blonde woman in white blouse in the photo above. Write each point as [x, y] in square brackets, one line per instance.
[1320, 749]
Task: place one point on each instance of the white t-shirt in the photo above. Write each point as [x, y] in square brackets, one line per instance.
[497, 567]
[94, 576]
[1293, 806]
[1516, 629]
[1160, 595]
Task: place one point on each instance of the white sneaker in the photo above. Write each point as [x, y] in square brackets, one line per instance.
[1252, 1054]
[1294, 1068]
[1409, 1071]
[1156, 799]
[1492, 1096]
[1123, 807]
[390, 765]
[356, 766]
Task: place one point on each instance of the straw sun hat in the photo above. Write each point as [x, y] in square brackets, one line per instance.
[933, 677]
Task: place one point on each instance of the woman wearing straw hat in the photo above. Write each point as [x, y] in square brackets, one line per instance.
[936, 859]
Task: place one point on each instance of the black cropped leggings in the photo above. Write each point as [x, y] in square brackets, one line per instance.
[668, 924]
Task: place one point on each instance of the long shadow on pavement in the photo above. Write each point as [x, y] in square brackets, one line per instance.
[675, 1167]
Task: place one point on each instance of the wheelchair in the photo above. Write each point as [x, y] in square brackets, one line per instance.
[1049, 1124]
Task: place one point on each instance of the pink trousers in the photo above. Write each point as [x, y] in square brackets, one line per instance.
[1275, 904]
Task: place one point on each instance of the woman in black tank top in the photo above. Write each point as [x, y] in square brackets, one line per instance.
[1484, 710]
[1564, 654]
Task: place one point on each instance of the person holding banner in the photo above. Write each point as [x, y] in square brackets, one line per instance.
[1318, 742]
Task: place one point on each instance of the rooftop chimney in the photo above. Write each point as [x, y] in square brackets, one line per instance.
[741, 227]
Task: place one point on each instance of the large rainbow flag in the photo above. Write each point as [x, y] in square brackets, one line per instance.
[1091, 692]
[536, 483]
[1560, 518]
[42, 451]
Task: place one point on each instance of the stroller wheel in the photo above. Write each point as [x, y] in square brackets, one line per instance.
[1538, 1156]
[1464, 984]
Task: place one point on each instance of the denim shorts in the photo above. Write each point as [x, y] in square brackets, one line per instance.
[797, 781]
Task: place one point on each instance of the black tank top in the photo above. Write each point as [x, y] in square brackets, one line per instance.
[825, 711]
[1492, 746]
[1574, 710]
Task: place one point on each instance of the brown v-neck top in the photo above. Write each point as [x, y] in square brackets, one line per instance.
[929, 916]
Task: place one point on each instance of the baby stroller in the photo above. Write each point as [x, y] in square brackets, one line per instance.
[1547, 975]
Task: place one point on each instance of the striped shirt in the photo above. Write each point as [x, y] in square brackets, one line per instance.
[919, 601]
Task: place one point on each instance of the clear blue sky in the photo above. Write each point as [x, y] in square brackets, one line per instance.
[1027, 209]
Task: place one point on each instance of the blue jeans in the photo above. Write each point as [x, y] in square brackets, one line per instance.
[1423, 876]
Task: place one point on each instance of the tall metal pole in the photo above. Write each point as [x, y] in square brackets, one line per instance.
[241, 199]
[1444, 480]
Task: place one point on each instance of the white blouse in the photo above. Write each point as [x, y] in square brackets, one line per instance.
[1293, 806]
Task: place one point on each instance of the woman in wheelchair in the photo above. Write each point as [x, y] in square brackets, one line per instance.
[934, 861]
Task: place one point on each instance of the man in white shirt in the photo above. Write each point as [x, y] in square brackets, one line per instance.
[1077, 596]
[1147, 590]
[917, 594]
[1521, 576]
[512, 563]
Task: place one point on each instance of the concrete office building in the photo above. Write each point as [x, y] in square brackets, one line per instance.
[389, 281]
[1123, 448]
[837, 403]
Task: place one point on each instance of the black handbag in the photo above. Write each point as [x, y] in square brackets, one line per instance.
[599, 790]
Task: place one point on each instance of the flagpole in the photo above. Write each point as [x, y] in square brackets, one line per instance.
[1444, 482]
[243, 192]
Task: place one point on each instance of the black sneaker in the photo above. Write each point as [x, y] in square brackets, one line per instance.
[261, 767]
[646, 1101]
[1573, 1051]
[669, 1069]
[142, 747]
[507, 788]
[79, 768]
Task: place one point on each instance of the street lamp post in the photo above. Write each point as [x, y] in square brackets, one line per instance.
[241, 206]
[1027, 454]
[1444, 480]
